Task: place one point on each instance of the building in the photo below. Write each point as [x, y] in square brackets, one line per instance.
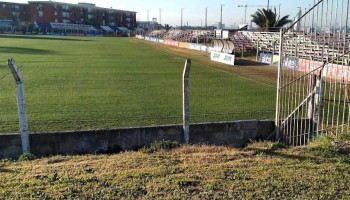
[14, 13]
[58, 12]
[148, 25]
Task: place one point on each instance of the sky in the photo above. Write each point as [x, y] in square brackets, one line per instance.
[194, 10]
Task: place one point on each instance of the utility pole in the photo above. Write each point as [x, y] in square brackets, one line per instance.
[279, 10]
[160, 16]
[221, 17]
[268, 4]
[245, 14]
[148, 15]
[206, 17]
[182, 13]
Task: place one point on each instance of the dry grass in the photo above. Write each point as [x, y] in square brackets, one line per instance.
[189, 172]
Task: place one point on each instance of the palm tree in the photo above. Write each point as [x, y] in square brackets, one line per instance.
[267, 20]
[167, 27]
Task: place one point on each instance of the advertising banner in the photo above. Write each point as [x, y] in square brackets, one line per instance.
[337, 71]
[73, 26]
[6, 23]
[288, 62]
[266, 58]
[223, 58]
[291, 63]
[171, 42]
[184, 45]
[204, 48]
[308, 66]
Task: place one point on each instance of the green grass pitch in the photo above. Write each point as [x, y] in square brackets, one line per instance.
[76, 83]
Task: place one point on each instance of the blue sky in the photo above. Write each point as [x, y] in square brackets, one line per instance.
[194, 9]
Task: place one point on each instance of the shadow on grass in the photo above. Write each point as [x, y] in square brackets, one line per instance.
[19, 50]
[286, 156]
[3, 170]
[244, 62]
[40, 38]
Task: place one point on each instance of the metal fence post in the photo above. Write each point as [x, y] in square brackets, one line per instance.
[257, 51]
[21, 105]
[186, 100]
[279, 82]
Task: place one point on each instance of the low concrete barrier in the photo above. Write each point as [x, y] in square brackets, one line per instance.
[235, 134]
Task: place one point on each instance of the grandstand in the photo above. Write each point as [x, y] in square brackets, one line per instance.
[191, 36]
[321, 46]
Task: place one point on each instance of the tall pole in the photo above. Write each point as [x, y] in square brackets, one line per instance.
[148, 15]
[182, 13]
[268, 4]
[245, 14]
[206, 17]
[279, 10]
[221, 17]
[160, 16]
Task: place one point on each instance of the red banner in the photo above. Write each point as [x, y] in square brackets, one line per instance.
[171, 42]
[308, 66]
[330, 70]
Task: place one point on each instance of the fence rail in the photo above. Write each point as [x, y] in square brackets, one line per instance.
[313, 99]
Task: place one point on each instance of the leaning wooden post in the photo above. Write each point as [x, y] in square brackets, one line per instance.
[21, 105]
[186, 100]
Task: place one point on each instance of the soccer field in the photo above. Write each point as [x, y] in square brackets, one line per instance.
[76, 83]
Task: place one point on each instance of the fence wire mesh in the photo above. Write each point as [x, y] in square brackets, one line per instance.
[313, 97]
[78, 93]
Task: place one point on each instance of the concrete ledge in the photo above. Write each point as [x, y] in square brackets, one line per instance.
[235, 134]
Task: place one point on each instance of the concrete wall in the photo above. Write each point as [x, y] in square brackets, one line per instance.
[235, 134]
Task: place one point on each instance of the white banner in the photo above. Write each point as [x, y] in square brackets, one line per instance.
[73, 26]
[223, 58]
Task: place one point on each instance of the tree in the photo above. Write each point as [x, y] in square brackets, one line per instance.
[167, 27]
[267, 20]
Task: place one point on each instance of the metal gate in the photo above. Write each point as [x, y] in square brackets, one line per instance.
[314, 74]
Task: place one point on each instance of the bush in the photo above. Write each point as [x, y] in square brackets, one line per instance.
[161, 145]
[26, 157]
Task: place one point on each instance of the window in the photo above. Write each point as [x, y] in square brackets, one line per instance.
[55, 6]
[55, 13]
[56, 20]
[90, 10]
[65, 7]
[40, 7]
[3, 5]
[112, 23]
[40, 13]
[90, 17]
[66, 21]
[16, 7]
[65, 14]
